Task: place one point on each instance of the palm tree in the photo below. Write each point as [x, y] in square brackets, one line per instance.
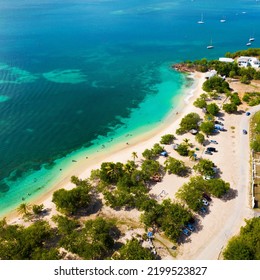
[187, 142]
[192, 155]
[24, 209]
[134, 155]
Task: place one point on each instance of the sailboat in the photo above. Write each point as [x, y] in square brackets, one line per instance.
[222, 20]
[201, 20]
[210, 46]
[251, 39]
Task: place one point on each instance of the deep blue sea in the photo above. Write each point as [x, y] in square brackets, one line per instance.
[77, 74]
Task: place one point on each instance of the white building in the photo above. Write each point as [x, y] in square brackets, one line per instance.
[226, 59]
[245, 61]
[210, 74]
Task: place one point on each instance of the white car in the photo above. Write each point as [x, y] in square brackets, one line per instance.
[205, 202]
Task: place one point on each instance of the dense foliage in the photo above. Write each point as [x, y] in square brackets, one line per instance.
[205, 167]
[31, 243]
[207, 127]
[216, 83]
[213, 109]
[133, 250]
[167, 139]
[71, 201]
[191, 192]
[255, 142]
[175, 166]
[252, 98]
[183, 149]
[188, 123]
[200, 138]
[245, 246]
[92, 242]
[169, 217]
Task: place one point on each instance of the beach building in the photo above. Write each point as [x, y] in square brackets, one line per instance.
[226, 59]
[210, 74]
[245, 61]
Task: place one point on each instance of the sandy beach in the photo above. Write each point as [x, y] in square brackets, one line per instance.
[225, 216]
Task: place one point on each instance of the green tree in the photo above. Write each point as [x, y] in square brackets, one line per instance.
[167, 139]
[148, 154]
[245, 246]
[24, 208]
[234, 98]
[189, 122]
[205, 167]
[150, 168]
[65, 225]
[207, 127]
[200, 103]
[230, 108]
[175, 166]
[213, 109]
[200, 138]
[133, 250]
[71, 201]
[191, 193]
[37, 209]
[93, 241]
[183, 150]
[215, 83]
[134, 155]
[110, 172]
[157, 149]
[217, 187]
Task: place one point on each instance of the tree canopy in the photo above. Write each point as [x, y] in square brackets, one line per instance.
[245, 246]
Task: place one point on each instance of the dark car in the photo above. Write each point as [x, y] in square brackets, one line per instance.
[185, 231]
[208, 152]
[211, 149]
[213, 141]
[220, 123]
[203, 210]
[244, 131]
[247, 113]
[190, 227]
[206, 196]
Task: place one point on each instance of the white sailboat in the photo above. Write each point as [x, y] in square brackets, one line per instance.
[201, 20]
[222, 20]
[210, 46]
[251, 39]
[249, 44]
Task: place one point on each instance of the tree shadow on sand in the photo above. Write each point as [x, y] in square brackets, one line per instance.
[231, 194]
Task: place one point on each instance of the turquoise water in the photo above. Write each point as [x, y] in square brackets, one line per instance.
[76, 75]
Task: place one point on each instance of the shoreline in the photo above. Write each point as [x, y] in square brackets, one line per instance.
[120, 151]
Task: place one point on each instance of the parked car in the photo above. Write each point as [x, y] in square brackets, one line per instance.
[244, 131]
[208, 152]
[211, 149]
[220, 119]
[220, 123]
[190, 227]
[206, 196]
[213, 141]
[203, 210]
[205, 202]
[247, 113]
[185, 231]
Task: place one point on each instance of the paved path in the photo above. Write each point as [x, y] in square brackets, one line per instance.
[241, 207]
